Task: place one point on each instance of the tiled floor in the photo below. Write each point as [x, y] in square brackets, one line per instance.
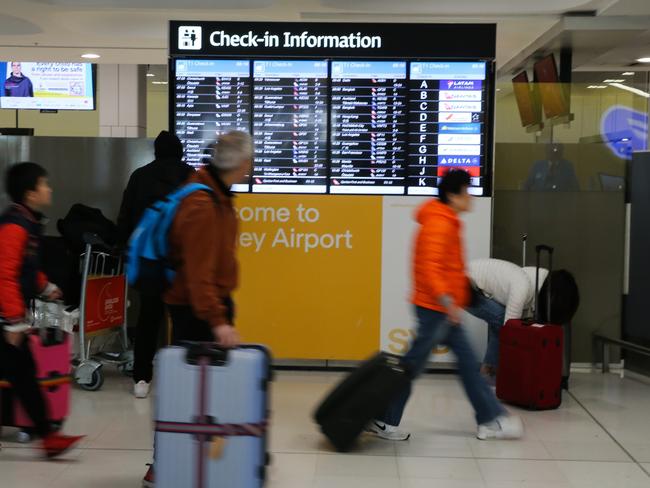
[600, 438]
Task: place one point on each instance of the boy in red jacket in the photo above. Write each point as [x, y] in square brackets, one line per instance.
[20, 282]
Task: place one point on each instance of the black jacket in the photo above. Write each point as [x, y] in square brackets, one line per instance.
[146, 186]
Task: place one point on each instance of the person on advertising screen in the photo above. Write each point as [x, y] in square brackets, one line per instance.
[553, 173]
[441, 295]
[18, 85]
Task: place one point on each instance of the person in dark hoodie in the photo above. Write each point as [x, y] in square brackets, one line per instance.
[146, 186]
[18, 85]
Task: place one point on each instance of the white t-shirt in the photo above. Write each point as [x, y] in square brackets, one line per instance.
[510, 285]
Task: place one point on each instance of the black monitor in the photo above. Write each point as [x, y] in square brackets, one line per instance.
[336, 108]
[15, 131]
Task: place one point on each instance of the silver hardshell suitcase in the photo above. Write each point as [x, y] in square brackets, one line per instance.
[211, 416]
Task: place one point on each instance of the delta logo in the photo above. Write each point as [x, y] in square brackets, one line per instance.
[462, 84]
[459, 161]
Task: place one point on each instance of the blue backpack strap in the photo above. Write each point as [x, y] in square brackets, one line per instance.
[169, 210]
[150, 241]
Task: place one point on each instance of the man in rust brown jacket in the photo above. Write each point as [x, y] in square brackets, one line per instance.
[203, 243]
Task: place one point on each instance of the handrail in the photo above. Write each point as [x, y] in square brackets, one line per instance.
[607, 341]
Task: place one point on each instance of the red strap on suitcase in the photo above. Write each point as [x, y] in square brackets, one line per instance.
[211, 430]
[203, 386]
[205, 430]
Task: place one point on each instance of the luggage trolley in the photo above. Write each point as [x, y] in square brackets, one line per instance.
[102, 312]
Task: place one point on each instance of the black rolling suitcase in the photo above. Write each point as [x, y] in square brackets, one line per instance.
[365, 394]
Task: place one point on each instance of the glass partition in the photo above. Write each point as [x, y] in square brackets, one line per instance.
[564, 185]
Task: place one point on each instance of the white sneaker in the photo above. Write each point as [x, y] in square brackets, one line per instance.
[388, 432]
[141, 389]
[504, 427]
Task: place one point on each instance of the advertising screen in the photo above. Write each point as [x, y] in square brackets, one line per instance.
[49, 86]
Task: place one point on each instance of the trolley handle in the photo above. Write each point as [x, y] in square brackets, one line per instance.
[94, 241]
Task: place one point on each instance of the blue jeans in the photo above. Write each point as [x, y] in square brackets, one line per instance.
[494, 314]
[433, 329]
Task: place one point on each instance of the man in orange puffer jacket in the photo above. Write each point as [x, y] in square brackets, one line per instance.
[441, 293]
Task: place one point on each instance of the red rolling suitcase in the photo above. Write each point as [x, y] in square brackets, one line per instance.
[531, 357]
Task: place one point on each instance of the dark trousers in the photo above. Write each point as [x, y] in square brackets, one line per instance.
[18, 368]
[186, 327]
[150, 319]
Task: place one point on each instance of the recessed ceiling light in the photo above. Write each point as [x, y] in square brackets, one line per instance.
[597, 87]
[158, 82]
[90, 56]
[613, 81]
[150, 75]
[643, 60]
[498, 89]
[627, 73]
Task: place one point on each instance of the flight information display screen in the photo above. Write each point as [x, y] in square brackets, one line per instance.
[290, 100]
[340, 126]
[447, 106]
[211, 97]
[369, 130]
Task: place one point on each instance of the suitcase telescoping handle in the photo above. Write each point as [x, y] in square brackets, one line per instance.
[196, 351]
[540, 249]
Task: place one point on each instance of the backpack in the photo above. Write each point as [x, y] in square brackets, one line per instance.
[148, 267]
[82, 219]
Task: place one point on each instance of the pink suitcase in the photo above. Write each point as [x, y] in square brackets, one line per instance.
[51, 351]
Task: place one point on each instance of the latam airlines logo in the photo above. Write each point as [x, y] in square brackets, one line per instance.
[190, 37]
[461, 85]
[459, 160]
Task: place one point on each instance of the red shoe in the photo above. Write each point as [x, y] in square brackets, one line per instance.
[56, 444]
[147, 481]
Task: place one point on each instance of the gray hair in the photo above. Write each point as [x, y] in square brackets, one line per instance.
[232, 149]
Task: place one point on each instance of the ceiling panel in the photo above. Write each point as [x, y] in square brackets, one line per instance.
[135, 31]
[466, 7]
[14, 26]
[628, 7]
[158, 4]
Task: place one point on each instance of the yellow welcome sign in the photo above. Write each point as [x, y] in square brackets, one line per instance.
[310, 274]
